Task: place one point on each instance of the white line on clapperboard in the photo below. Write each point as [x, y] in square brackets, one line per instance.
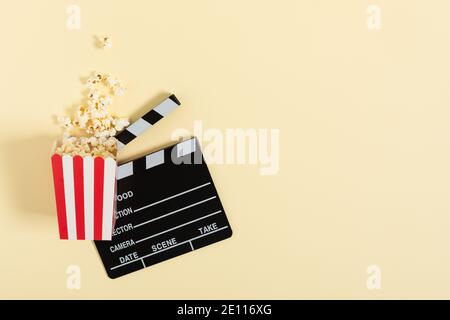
[179, 226]
[171, 197]
[176, 245]
[175, 211]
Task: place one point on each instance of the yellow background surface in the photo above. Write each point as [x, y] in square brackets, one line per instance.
[364, 176]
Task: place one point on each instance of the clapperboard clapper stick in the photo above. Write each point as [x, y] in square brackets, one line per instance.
[167, 205]
[147, 120]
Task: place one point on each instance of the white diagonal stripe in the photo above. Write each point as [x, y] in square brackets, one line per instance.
[165, 107]
[154, 159]
[138, 127]
[125, 170]
[186, 147]
[120, 145]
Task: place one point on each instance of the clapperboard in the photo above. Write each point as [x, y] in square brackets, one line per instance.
[167, 205]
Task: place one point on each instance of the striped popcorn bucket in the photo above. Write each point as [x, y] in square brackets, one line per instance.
[85, 189]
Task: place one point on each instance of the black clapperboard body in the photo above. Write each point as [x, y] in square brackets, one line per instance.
[167, 205]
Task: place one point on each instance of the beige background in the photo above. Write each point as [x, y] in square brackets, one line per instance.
[364, 141]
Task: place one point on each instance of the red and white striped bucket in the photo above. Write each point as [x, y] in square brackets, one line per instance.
[85, 190]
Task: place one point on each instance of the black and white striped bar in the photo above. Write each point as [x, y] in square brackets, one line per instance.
[146, 121]
[165, 208]
[154, 159]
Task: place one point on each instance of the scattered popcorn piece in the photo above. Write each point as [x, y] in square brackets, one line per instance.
[94, 95]
[110, 81]
[105, 101]
[107, 43]
[118, 91]
[65, 122]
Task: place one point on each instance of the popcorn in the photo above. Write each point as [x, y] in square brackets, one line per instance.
[118, 91]
[65, 122]
[121, 123]
[94, 95]
[110, 143]
[105, 101]
[111, 82]
[90, 131]
[94, 120]
[107, 43]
